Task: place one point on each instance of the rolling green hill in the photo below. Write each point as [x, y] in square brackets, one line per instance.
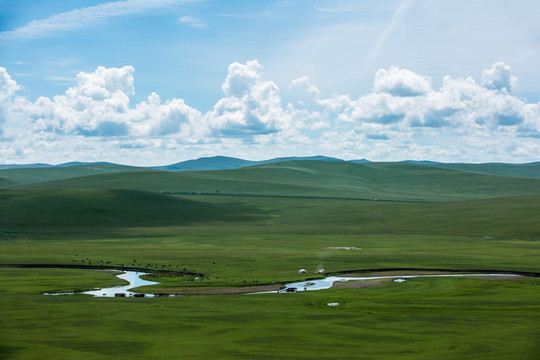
[382, 181]
[227, 163]
[61, 209]
[22, 176]
[531, 170]
[4, 182]
[296, 214]
[311, 215]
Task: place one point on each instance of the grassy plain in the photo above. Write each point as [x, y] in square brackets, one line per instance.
[419, 319]
[263, 225]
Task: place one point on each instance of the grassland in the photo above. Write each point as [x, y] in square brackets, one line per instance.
[382, 181]
[259, 225]
[420, 319]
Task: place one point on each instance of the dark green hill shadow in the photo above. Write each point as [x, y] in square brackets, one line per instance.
[35, 209]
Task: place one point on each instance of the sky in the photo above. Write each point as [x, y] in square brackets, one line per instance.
[157, 82]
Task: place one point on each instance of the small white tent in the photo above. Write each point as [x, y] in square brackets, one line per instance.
[302, 271]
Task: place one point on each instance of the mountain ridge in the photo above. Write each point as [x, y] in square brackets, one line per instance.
[300, 178]
[530, 170]
[220, 162]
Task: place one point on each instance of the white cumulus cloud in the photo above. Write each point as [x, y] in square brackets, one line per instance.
[304, 84]
[251, 106]
[105, 81]
[8, 86]
[401, 82]
[499, 77]
[96, 106]
[99, 105]
[153, 118]
[403, 118]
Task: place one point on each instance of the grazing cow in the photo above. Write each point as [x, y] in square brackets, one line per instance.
[120, 295]
[290, 289]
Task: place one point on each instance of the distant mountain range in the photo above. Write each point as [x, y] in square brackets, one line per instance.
[42, 165]
[229, 163]
[226, 163]
[204, 163]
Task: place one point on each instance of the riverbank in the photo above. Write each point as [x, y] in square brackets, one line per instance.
[136, 284]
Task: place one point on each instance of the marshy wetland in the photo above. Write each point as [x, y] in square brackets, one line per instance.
[262, 227]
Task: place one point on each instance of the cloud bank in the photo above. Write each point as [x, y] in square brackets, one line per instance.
[404, 117]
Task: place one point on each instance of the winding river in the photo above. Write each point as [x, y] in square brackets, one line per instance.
[132, 277]
[329, 281]
[134, 280]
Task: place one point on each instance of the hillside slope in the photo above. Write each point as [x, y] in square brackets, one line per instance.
[22, 176]
[531, 170]
[52, 209]
[382, 181]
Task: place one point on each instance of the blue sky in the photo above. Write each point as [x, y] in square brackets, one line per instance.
[155, 82]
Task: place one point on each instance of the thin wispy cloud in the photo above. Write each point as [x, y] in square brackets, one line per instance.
[248, 16]
[399, 14]
[329, 10]
[190, 21]
[83, 18]
[339, 9]
[60, 79]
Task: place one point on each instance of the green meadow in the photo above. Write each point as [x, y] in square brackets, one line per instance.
[258, 226]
